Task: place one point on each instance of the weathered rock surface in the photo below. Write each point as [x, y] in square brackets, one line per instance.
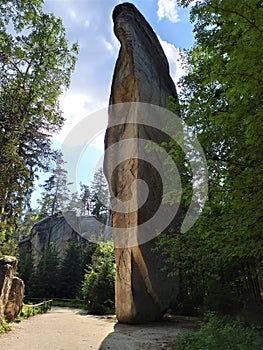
[7, 270]
[143, 292]
[59, 229]
[142, 71]
[53, 229]
[15, 299]
[11, 289]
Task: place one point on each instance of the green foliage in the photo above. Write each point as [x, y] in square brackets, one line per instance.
[55, 196]
[220, 333]
[28, 220]
[219, 261]
[36, 62]
[99, 196]
[54, 276]
[222, 99]
[98, 284]
[8, 245]
[4, 326]
[25, 266]
[27, 312]
[45, 281]
[85, 198]
[87, 255]
[71, 270]
[69, 303]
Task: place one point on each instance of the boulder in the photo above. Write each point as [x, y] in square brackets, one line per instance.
[143, 291]
[15, 299]
[11, 289]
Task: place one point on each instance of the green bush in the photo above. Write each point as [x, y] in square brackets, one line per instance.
[98, 284]
[27, 312]
[4, 326]
[220, 333]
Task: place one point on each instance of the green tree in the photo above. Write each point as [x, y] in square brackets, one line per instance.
[87, 254]
[36, 62]
[75, 203]
[45, 281]
[85, 198]
[26, 267]
[99, 196]
[98, 284]
[220, 258]
[71, 270]
[56, 194]
[26, 223]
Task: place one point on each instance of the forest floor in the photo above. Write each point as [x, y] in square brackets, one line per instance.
[67, 329]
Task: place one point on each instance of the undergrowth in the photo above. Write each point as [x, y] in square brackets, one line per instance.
[28, 312]
[73, 303]
[220, 333]
[4, 326]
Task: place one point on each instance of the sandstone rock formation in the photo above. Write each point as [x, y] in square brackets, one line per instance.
[53, 229]
[7, 271]
[11, 289]
[59, 229]
[15, 299]
[143, 291]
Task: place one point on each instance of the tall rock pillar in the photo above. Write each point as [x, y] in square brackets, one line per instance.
[141, 75]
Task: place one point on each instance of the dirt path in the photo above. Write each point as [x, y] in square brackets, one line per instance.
[70, 329]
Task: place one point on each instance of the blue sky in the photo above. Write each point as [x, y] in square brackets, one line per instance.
[89, 22]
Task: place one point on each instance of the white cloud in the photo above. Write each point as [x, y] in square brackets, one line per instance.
[73, 104]
[98, 141]
[173, 55]
[86, 23]
[74, 107]
[167, 8]
[108, 46]
[72, 13]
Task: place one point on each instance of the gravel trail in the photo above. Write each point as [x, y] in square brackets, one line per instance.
[71, 329]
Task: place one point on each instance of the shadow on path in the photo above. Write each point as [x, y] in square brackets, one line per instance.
[151, 336]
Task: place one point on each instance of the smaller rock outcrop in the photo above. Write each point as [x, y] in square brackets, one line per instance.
[11, 289]
[15, 299]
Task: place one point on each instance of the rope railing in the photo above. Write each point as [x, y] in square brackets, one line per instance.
[44, 306]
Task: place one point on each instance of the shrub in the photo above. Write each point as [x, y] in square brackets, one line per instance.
[4, 326]
[98, 284]
[27, 312]
[220, 333]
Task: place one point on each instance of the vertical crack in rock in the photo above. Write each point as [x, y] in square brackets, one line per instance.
[143, 291]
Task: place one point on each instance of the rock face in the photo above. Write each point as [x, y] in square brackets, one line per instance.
[53, 229]
[11, 289]
[7, 271]
[59, 229]
[143, 292]
[142, 71]
[15, 299]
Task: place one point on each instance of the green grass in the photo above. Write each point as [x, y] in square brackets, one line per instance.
[220, 333]
[72, 303]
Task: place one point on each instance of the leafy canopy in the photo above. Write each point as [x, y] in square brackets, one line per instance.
[36, 63]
